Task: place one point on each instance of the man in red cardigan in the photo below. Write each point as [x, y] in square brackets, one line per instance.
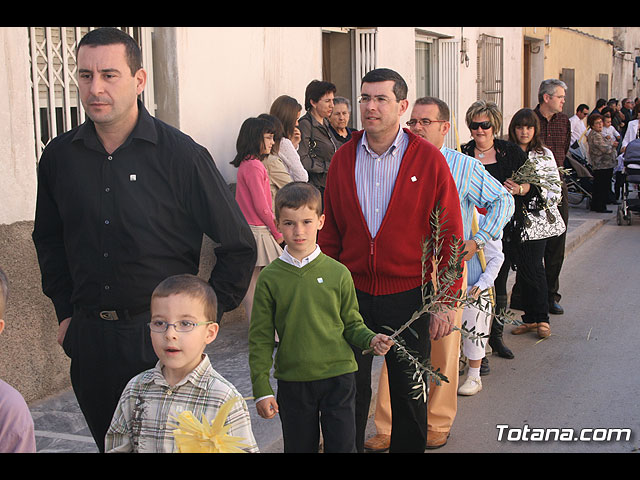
[382, 187]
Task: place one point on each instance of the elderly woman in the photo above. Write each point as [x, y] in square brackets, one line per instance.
[502, 159]
[339, 119]
[317, 144]
[602, 156]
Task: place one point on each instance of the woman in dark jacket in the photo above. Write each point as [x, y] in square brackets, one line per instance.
[502, 159]
[317, 145]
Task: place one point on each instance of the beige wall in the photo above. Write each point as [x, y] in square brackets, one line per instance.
[588, 55]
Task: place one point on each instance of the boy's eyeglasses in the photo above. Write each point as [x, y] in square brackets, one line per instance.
[160, 326]
[482, 125]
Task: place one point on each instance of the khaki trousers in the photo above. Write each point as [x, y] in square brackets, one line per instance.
[443, 399]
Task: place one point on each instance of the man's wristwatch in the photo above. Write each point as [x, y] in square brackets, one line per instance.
[479, 243]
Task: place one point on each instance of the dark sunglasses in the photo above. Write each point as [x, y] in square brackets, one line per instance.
[483, 125]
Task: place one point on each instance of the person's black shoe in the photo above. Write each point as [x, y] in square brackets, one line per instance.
[498, 346]
[484, 367]
[555, 308]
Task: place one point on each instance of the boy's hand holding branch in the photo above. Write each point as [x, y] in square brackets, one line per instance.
[381, 344]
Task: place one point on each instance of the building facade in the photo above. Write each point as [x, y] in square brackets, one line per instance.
[208, 80]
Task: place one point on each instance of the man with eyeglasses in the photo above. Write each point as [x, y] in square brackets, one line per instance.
[382, 187]
[476, 187]
[555, 132]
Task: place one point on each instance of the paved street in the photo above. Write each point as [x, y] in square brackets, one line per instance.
[565, 381]
[584, 376]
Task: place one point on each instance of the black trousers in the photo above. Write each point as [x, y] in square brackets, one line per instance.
[554, 251]
[105, 355]
[305, 406]
[532, 281]
[409, 415]
[601, 188]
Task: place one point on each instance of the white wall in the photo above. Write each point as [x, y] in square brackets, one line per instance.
[396, 50]
[228, 74]
[17, 145]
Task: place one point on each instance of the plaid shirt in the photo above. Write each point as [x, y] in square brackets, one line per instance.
[140, 421]
[555, 134]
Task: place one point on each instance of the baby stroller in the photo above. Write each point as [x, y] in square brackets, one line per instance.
[580, 178]
[631, 176]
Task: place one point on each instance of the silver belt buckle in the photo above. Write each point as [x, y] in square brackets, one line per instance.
[108, 315]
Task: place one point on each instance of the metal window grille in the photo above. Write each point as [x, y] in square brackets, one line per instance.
[490, 69]
[425, 61]
[56, 101]
[437, 76]
[363, 60]
[448, 85]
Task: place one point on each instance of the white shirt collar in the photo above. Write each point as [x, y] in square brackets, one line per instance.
[291, 260]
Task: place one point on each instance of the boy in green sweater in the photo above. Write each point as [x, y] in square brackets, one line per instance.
[310, 301]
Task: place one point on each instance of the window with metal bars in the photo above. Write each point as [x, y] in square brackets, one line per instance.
[490, 69]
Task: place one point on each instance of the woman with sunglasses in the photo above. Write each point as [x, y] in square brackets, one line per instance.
[502, 159]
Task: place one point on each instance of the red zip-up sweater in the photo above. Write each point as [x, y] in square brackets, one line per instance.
[391, 261]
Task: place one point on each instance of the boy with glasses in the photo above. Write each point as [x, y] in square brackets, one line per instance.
[183, 323]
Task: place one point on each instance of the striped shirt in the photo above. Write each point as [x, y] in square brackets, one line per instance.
[478, 188]
[140, 421]
[376, 176]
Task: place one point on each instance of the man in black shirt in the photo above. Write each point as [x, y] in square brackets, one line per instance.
[123, 202]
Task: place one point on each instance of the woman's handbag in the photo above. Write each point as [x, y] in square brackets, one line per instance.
[543, 223]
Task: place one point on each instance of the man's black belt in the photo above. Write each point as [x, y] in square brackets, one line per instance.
[115, 314]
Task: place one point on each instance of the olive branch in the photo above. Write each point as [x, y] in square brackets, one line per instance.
[542, 177]
[437, 299]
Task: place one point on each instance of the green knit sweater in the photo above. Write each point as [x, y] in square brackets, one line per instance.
[314, 309]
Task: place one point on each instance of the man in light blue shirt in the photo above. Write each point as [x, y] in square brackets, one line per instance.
[477, 188]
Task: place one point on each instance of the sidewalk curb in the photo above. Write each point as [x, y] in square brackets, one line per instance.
[581, 233]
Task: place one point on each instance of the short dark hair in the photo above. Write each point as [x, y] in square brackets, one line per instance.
[251, 138]
[298, 194]
[278, 130]
[400, 88]
[316, 90]
[112, 36]
[591, 120]
[4, 291]
[192, 286]
[443, 108]
[581, 107]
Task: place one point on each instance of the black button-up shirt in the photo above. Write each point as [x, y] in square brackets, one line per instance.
[110, 227]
